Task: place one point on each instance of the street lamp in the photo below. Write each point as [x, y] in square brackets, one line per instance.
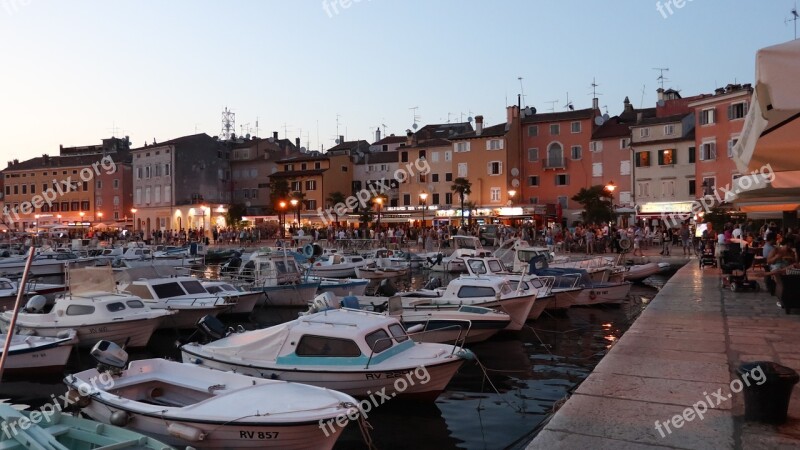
[296, 205]
[611, 187]
[133, 211]
[205, 208]
[511, 194]
[379, 202]
[282, 223]
[423, 197]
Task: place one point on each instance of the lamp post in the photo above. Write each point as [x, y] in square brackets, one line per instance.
[205, 208]
[81, 214]
[379, 202]
[423, 197]
[133, 211]
[282, 222]
[296, 205]
[611, 187]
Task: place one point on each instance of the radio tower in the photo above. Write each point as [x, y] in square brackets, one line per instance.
[228, 124]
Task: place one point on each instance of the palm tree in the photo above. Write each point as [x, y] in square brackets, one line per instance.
[462, 187]
[334, 199]
[299, 196]
[278, 190]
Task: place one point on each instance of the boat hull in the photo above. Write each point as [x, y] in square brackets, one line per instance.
[38, 361]
[348, 287]
[287, 294]
[245, 303]
[640, 272]
[187, 318]
[611, 294]
[139, 331]
[539, 306]
[517, 308]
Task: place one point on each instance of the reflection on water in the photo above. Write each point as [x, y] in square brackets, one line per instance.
[498, 405]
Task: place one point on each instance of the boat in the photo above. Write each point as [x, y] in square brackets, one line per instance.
[46, 263]
[243, 301]
[592, 293]
[8, 291]
[38, 355]
[51, 429]
[274, 273]
[380, 273]
[384, 257]
[639, 272]
[339, 286]
[94, 315]
[352, 351]
[463, 246]
[189, 405]
[186, 295]
[337, 265]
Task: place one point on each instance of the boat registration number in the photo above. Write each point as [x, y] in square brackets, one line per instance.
[98, 330]
[379, 375]
[258, 434]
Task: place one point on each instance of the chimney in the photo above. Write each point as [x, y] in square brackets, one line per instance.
[341, 139]
[512, 112]
[378, 134]
[297, 143]
[660, 92]
[45, 159]
[639, 117]
[628, 107]
[275, 135]
[409, 138]
[595, 103]
[478, 125]
[719, 91]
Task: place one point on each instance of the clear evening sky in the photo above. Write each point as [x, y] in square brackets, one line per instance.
[74, 70]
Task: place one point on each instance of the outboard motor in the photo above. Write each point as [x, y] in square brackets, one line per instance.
[351, 301]
[212, 328]
[233, 264]
[109, 356]
[436, 261]
[536, 263]
[433, 283]
[36, 304]
[386, 289]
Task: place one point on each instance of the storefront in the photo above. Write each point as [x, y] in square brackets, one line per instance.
[672, 214]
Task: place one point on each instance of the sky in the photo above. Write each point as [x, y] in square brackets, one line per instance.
[74, 72]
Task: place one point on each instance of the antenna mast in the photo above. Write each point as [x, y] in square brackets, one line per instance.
[661, 78]
[416, 116]
[794, 18]
[228, 124]
[644, 89]
[521, 90]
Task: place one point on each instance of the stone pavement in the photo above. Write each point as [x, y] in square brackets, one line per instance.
[685, 346]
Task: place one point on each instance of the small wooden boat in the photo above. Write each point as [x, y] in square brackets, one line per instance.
[39, 355]
[380, 273]
[187, 405]
[59, 431]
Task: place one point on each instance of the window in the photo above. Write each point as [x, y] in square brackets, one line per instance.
[167, 169]
[575, 127]
[398, 333]
[533, 200]
[147, 172]
[326, 346]
[562, 200]
[495, 194]
[435, 199]
[448, 198]
[378, 341]
[116, 197]
[494, 144]
[403, 156]
[692, 187]
[158, 170]
[297, 186]
[576, 152]
[624, 143]
[625, 167]
[692, 155]
[303, 166]
[555, 156]
[115, 307]
[707, 116]
[157, 194]
[167, 290]
[643, 187]
[495, 168]
[311, 185]
[423, 178]
[731, 144]
[422, 154]
[406, 199]
[137, 199]
[625, 197]
[44, 188]
[76, 206]
[288, 167]
[737, 111]
[116, 215]
[461, 147]
[562, 179]
[666, 157]
[448, 176]
[533, 181]
[24, 188]
[708, 151]
[708, 185]
[669, 130]
[55, 207]
[317, 165]
[668, 188]
[344, 168]
[533, 154]
[167, 193]
[45, 208]
[644, 132]
[65, 206]
[448, 155]
[597, 169]
[435, 157]
[79, 310]
[533, 130]
[462, 170]
[147, 195]
[596, 146]
[642, 159]
[475, 291]
[555, 129]
[435, 177]
[193, 287]
[310, 204]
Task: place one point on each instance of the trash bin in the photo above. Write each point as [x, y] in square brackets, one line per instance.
[767, 402]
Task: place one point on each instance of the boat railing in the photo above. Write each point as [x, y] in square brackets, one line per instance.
[455, 346]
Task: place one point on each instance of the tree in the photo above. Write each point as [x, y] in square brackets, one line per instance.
[381, 200]
[462, 187]
[234, 215]
[278, 190]
[334, 199]
[365, 214]
[596, 202]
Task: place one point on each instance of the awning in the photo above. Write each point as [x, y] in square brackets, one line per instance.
[770, 139]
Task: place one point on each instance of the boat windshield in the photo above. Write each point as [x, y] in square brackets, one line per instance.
[6, 285]
[398, 332]
[477, 266]
[193, 287]
[311, 345]
[495, 266]
[378, 340]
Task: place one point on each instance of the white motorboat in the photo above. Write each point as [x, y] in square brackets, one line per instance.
[186, 295]
[463, 247]
[356, 352]
[243, 301]
[37, 355]
[44, 263]
[94, 315]
[337, 265]
[62, 431]
[639, 272]
[277, 275]
[8, 291]
[188, 405]
[341, 287]
[592, 293]
[384, 257]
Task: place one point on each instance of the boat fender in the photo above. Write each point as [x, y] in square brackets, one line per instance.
[186, 432]
[466, 354]
[120, 418]
[350, 302]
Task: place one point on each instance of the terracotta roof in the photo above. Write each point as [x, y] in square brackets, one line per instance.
[56, 162]
[492, 131]
[659, 120]
[381, 157]
[178, 141]
[612, 128]
[578, 114]
[298, 173]
[351, 145]
[442, 130]
[302, 158]
[431, 143]
[391, 140]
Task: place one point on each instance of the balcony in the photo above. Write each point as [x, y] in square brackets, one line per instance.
[555, 163]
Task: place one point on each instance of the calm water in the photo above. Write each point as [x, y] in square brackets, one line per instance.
[526, 373]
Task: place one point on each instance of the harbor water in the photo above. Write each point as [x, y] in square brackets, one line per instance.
[495, 402]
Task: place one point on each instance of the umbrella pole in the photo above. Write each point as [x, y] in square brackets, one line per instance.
[13, 323]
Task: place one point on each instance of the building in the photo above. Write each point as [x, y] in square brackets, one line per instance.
[434, 186]
[719, 120]
[375, 172]
[181, 184]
